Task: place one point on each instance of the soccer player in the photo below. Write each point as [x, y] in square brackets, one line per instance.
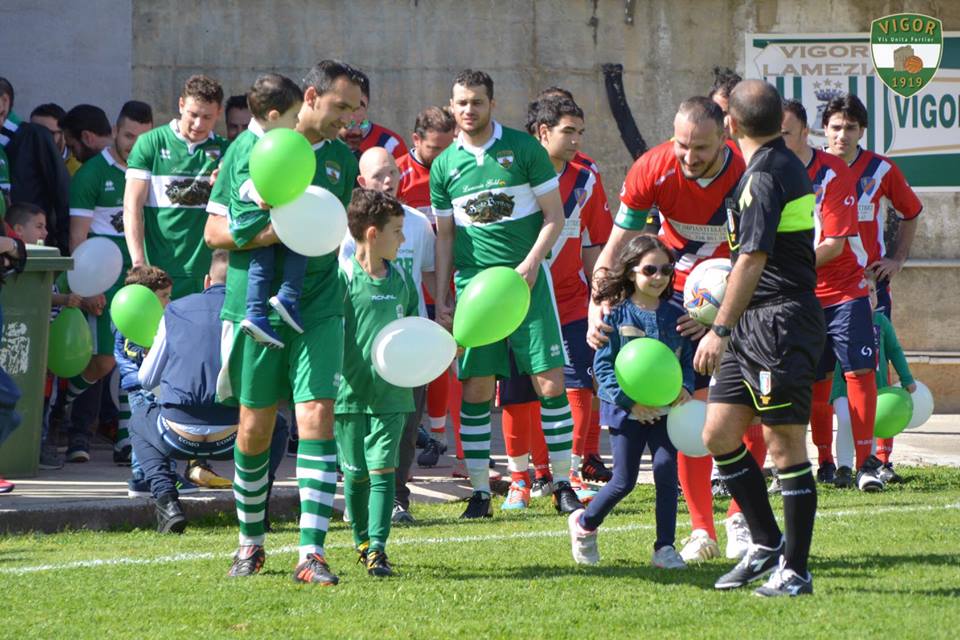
[361, 134]
[773, 325]
[379, 172]
[688, 180]
[531, 123]
[433, 131]
[496, 198]
[237, 115]
[168, 182]
[842, 291]
[559, 126]
[86, 131]
[371, 413]
[879, 183]
[96, 211]
[307, 369]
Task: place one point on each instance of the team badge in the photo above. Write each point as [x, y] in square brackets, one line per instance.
[818, 192]
[213, 154]
[333, 171]
[766, 386]
[868, 185]
[906, 50]
[505, 159]
[580, 195]
[399, 310]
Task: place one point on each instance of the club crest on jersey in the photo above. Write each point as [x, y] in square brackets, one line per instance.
[399, 311]
[214, 153]
[489, 206]
[505, 159]
[189, 192]
[580, 195]
[116, 221]
[868, 184]
[766, 386]
[818, 192]
[333, 171]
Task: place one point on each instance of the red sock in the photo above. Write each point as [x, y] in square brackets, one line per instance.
[821, 420]
[884, 449]
[862, 396]
[694, 474]
[437, 400]
[538, 443]
[757, 447]
[593, 433]
[455, 396]
[516, 435]
[581, 402]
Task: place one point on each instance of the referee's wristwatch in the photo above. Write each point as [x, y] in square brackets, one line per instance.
[720, 330]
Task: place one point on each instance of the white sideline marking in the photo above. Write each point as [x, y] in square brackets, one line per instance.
[200, 555]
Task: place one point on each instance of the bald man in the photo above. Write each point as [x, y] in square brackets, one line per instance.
[378, 171]
[764, 345]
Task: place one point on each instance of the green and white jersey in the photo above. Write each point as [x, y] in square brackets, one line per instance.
[491, 192]
[323, 292]
[4, 182]
[371, 304]
[175, 212]
[96, 192]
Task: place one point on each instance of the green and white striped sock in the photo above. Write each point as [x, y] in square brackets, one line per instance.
[475, 436]
[75, 388]
[557, 424]
[123, 431]
[250, 483]
[317, 479]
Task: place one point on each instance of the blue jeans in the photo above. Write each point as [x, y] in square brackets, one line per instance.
[155, 447]
[627, 441]
[260, 277]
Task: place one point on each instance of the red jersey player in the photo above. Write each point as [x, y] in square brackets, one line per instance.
[689, 180]
[360, 134]
[878, 183]
[843, 293]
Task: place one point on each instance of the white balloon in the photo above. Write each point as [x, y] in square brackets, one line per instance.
[685, 428]
[313, 224]
[97, 264]
[922, 405]
[410, 352]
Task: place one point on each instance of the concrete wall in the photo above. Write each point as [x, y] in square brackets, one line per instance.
[67, 52]
[412, 48]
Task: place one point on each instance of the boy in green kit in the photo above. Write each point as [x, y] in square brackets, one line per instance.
[370, 413]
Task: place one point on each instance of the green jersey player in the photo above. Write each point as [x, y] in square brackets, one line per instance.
[370, 412]
[168, 184]
[307, 369]
[496, 199]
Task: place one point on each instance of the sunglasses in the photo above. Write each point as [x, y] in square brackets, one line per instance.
[650, 270]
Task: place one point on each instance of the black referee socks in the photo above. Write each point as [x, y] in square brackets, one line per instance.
[799, 510]
[743, 477]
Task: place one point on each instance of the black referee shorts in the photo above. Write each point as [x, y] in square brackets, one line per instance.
[771, 362]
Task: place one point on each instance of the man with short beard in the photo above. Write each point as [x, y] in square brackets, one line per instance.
[168, 183]
[96, 210]
[86, 131]
[306, 370]
[496, 199]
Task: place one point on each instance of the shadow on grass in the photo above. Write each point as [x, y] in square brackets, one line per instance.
[702, 576]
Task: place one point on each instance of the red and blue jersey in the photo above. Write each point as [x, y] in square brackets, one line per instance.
[587, 223]
[835, 216]
[693, 213]
[880, 183]
[382, 137]
[414, 190]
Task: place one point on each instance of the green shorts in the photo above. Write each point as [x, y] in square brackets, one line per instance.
[537, 344]
[308, 368]
[366, 441]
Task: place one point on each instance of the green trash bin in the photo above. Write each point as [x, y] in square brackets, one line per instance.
[23, 352]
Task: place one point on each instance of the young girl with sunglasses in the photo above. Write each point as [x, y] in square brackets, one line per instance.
[639, 292]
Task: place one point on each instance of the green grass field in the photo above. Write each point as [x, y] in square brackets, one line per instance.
[887, 564]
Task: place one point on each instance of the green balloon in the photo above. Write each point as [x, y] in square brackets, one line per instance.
[491, 307]
[894, 411]
[648, 372]
[71, 344]
[282, 166]
[136, 311]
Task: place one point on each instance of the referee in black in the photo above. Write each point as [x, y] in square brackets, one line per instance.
[764, 346]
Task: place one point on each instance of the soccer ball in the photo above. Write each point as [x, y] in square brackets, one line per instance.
[704, 289]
